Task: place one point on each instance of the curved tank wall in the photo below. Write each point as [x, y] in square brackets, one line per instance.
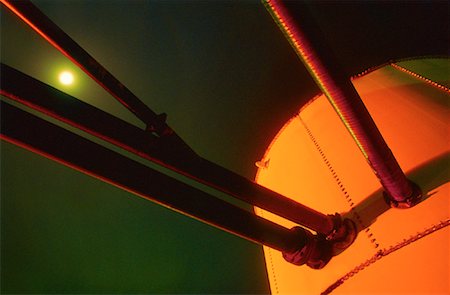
[314, 160]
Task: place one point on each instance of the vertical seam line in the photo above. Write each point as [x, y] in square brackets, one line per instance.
[348, 198]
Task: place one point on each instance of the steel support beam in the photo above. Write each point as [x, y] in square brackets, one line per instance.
[45, 27]
[202, 170]
[161, 150]
[56, 143]
[309, 44]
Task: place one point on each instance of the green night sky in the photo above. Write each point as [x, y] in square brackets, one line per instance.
[227, 79]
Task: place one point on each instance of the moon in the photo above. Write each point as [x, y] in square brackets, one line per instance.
[66, 78]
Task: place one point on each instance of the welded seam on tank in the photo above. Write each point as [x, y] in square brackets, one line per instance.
[270, 260]
[344, 191]
[277, 291]
[420, 77]
[384, 252]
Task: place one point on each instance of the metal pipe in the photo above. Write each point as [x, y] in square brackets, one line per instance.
[203, 170]
[45, 27]
[306, 39]
[37, 95]
[33, 133]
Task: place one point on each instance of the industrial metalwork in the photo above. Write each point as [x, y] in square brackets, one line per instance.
[96, 161]
[160, 144]
[71, 149]
[168, 149]
[309, 45]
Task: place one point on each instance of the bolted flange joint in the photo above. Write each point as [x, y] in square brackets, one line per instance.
[407, 202]
[343, 235]
[316, 250]
[158, 126]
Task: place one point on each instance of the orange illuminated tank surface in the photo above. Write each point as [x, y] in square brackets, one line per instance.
[314, 161]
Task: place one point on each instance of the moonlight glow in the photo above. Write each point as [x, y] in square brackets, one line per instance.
[66, 78]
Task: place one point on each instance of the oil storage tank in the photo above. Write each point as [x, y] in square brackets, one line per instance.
[314, 160]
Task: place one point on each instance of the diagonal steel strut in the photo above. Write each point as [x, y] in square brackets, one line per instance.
[181, 158]
[298, 245]
[28, 131]
[45, 27]
[37, 95]
[309, 44]
[166, 149]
